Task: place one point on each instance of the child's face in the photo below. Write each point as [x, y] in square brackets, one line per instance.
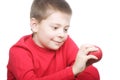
[52, 31]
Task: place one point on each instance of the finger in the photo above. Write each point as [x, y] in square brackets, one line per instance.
[91, 49]
[91, 57]
[86, 48]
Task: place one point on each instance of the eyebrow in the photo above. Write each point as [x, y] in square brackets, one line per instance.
[60, 25]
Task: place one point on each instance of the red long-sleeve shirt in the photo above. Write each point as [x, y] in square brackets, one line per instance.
[27, 61]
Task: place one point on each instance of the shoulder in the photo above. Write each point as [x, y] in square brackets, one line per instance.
[21, 44]
[70, 42]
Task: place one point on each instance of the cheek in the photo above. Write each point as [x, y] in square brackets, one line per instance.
[47, 35]
[50, 33]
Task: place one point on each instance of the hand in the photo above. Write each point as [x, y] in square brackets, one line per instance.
[97, 53]
[82, 58]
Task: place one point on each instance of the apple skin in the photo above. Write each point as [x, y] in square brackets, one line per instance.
[97, 53]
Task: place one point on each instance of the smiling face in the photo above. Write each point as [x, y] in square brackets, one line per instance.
[51, 32]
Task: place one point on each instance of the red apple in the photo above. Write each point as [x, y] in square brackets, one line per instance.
[97, 53]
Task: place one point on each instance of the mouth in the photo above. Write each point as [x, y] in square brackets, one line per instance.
[59, 42]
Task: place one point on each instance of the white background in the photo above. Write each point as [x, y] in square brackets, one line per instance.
[93, 21]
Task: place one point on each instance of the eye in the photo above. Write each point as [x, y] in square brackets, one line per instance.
[66, 29]
[55, 28]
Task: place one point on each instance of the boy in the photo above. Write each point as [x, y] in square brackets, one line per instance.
[49, 53]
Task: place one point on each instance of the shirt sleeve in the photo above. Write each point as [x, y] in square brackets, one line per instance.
[90, 73]
[21, 66]
[71, 51]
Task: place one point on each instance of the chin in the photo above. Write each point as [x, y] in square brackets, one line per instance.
[55, 48]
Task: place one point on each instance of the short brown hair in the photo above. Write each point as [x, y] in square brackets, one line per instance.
[40, 8]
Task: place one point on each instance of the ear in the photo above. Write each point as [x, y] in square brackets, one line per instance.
[34, 24]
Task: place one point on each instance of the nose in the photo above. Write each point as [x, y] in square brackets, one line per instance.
[61, 33]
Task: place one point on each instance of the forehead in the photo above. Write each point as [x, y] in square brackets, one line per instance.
[58, 16]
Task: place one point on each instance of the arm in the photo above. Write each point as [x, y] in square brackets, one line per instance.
[90, 73]
[87, 73]
[21, 66]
